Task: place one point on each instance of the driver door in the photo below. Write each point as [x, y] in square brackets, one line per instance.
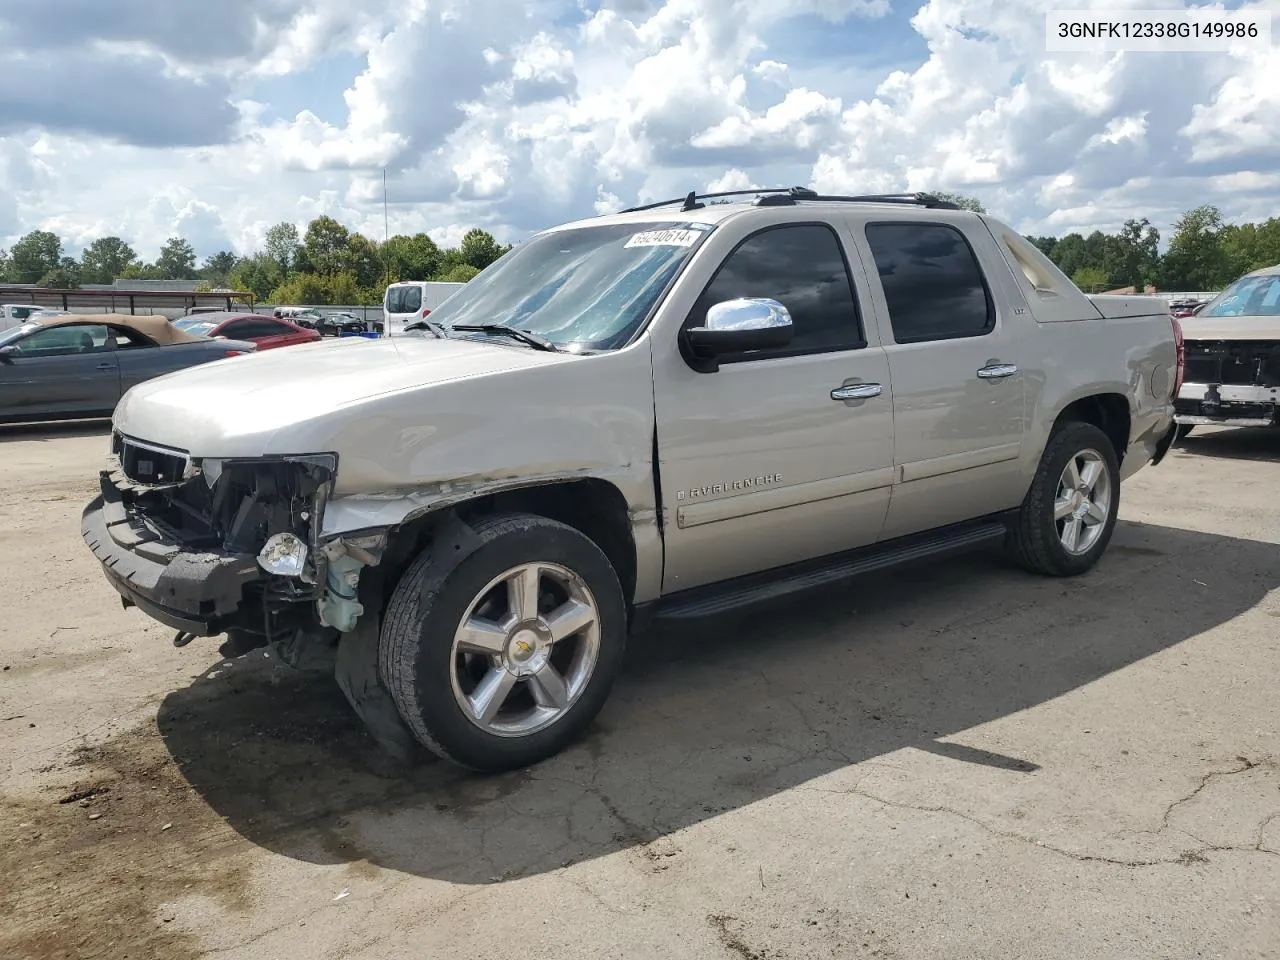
[769, 460]
[69, 369]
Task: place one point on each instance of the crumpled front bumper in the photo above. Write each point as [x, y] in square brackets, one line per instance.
[197, 592]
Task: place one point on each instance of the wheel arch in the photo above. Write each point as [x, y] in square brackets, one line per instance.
[1105, 409]
[594, 507]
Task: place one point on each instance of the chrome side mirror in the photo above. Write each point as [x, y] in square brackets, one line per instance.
[737, 326]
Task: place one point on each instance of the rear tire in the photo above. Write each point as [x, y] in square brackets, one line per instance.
[504, 658]
[1069, 513]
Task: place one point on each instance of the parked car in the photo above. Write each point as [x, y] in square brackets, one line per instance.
[410, 300]
[266, 332]
[16, 314]
[80, 365]
[302, 316]
[721, 405]
[1185, 308]
[1233, 357]
[334, 324]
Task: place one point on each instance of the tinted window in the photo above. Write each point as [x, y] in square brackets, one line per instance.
[931, 280]
[58, 341]
[244, 329]
[801, 267]
[404, 299]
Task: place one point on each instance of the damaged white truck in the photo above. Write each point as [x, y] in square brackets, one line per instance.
[674, 411]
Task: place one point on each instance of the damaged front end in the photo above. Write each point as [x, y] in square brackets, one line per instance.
[210, 546]
[1230, 383]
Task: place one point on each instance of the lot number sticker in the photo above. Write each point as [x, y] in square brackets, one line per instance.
[664, 238]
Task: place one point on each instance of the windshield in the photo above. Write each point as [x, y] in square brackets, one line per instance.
[9, 336]
[404, 299]
[591, 286]
[1247, 297]
[200, 328]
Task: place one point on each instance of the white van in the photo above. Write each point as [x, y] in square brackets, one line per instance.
[411, 300]
[16, 314]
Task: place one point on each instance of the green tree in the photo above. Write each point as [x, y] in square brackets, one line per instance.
[480, 249]
[217, 268]
[1137, 250]
[411, 258]
[105, 260]
[1069, 253]
[177, 260]
[460, 273]
[65, 276]
[963, 201]
[35, 256]
[1045, 245]
[1091, 279]
[282, 245]
[362, 261]
[143, 271]
[343, 288]
[1196, 259]
[326, 244]
[6, 266]
[259, 275]
[301, 289]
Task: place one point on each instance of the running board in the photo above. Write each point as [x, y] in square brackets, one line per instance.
[772, 585]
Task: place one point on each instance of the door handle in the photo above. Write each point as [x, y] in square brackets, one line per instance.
[856, 391]
[106, 366]
[997, 371]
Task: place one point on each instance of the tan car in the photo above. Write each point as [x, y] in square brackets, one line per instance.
[665, 413]
[1233, 357]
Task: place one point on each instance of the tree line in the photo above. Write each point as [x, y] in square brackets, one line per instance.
[329, 264]
[326, 264]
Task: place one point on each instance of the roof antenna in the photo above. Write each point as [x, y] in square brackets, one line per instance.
[691, 202]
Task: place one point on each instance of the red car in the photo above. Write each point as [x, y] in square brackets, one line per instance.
[266, 332]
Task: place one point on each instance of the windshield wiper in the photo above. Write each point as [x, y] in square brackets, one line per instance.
[524, 336]
[431, 325]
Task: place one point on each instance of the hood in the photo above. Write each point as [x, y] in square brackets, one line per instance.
[235, 407]
[1230, 328]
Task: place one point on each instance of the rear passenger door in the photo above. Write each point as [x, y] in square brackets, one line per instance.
[958, 387]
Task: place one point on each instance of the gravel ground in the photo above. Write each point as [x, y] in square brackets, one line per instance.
[961, 761]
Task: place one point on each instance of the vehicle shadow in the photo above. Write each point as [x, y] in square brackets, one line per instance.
[714, 717]
[54, 430]
[1244, 443]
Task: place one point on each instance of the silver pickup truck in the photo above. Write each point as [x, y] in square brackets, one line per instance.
[670, 412]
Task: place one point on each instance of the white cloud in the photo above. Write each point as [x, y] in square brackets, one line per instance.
[514, 114]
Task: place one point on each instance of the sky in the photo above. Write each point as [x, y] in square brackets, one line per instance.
[152, 118]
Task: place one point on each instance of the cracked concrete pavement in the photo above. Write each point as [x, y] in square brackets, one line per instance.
[959, 761]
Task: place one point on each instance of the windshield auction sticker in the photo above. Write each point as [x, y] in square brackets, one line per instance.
[664, 238]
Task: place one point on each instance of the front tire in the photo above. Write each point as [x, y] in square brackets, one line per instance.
[505, 658]
[1069, 514]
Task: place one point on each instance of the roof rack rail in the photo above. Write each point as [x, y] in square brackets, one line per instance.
[787, 196]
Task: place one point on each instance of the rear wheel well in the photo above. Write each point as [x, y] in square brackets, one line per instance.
[595, 508]
[1109, 412]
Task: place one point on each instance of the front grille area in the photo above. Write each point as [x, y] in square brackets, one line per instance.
[147, 464]
[1236, 362]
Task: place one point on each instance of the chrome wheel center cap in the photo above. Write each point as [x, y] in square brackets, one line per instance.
[527, 651]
